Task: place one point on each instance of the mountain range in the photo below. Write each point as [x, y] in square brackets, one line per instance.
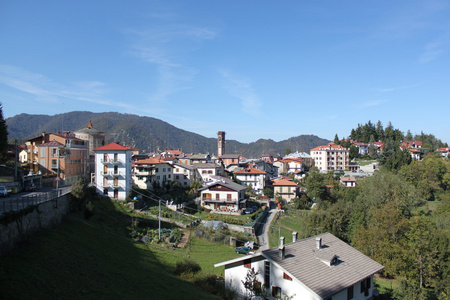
[150, 134]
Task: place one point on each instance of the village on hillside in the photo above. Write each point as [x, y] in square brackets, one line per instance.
[228, 185]
[64, 157]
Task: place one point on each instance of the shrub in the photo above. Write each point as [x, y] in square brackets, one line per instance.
[187, 266]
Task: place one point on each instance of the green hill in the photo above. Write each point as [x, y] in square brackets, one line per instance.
[95, 259]
[150, 134]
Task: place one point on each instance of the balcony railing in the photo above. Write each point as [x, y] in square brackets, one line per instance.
[220, 200]
[110, 161]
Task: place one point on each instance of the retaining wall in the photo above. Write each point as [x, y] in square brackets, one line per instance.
[19, 225]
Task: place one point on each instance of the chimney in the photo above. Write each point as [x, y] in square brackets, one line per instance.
[318, 242]
[294, 236]
[281, 249]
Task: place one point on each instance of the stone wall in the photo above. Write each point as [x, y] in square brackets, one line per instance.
[18, 226]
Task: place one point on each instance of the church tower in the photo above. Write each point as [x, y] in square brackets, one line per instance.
[220, 143]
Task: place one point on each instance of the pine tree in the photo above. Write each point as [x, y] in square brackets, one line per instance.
[3, 135]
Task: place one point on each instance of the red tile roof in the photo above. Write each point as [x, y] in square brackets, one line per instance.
[112, 147]
[250, 171]
[329, 146]
[284, 182]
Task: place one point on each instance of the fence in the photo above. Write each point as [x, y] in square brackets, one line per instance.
[15, 204]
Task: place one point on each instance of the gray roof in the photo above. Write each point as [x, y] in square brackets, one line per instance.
[307, 264]
[230, 184]
[189, 167]
[205, 165]
[200, 156]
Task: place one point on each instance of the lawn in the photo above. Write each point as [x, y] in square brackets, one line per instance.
[95, 259]
[288, 222]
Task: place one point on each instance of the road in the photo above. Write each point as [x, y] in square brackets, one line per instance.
[262, 233]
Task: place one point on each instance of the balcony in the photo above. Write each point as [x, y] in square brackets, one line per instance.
[111, 161]
[142, 173]
[220, 200]
[118, 173]
[105, 173]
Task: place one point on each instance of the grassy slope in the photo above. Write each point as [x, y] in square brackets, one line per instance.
[95, 260]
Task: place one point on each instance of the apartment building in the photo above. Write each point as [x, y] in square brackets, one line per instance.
[330, 157]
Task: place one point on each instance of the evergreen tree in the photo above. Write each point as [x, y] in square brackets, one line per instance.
[336, 139]
[3, 136]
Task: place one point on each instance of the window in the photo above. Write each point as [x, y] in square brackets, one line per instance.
[267, 273]
[350, 293]
[228, 197]
[287, 277]
[276, 291]
[42, 152]
[105, 191]
[177, 177]
[217, 196]
[365, 286]
[248, 263]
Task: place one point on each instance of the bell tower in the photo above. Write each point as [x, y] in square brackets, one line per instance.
[220, 143]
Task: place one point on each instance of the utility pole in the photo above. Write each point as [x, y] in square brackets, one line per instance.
[159, 220]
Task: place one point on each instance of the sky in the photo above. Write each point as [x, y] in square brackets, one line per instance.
[254, 69]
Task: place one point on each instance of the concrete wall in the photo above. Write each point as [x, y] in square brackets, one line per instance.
[28, 221]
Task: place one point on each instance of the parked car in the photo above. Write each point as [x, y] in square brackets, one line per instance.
[244, 250]
[3, 191]
[249, 210]
[30, 187]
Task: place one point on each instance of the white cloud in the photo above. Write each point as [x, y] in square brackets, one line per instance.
[161, 46]
[432, 51]
[241, 88]
[49, 91]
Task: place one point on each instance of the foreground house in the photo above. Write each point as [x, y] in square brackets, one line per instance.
[321, 267]
[113, 170]
[223, 196]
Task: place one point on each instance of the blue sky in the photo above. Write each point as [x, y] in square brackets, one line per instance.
[255, 69]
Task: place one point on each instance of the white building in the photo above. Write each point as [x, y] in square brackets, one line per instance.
[321, 267]
[185, 174]
[253, 177]
[152, 171]
[223, 196]
[330, 157]
[113, 170]
[206, 170]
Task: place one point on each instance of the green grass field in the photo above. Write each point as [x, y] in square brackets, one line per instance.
[288, 222]
[95, 259]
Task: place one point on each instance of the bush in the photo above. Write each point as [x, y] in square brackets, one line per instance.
[187, 266]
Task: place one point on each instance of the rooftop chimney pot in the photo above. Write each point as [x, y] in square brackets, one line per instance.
[318, 243]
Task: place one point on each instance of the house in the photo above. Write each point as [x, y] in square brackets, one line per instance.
[415, 153]
[307, 160]
[348, 181]
[208, 169]
[185, 174]
[285, 188]
[94, 138]
[113, 168]
[253, 177]
[320, 267]
[58, 154]
[223, 196]
[152, 171]
[230, 159]
[363, 148]
[330, 157]
[199, 159]
[443, 151]
[411, 144]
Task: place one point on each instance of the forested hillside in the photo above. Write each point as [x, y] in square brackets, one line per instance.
[150, 134]
[400, 217]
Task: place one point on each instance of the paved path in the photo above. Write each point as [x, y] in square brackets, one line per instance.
[262, 234]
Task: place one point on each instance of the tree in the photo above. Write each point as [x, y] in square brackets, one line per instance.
[287, 151]
[353, 152]
[79, 193]
[3, 136]
[268, 192]
[252, 286]
[336, 139]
